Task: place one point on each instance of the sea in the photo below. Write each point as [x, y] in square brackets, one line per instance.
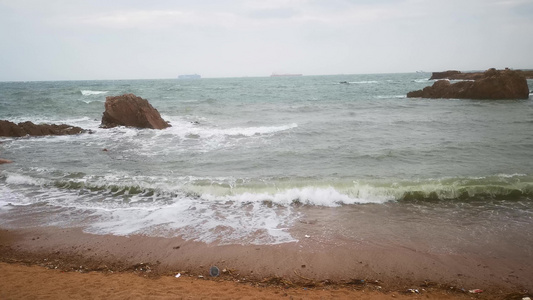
[340, 159]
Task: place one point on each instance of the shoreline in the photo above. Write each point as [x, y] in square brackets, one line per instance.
[307, 263]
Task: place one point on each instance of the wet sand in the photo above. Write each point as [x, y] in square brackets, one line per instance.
[307, 266]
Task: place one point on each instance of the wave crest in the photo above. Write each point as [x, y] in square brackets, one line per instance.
[283, 192]
[91, 93]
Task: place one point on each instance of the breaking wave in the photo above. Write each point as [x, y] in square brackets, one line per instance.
[226, 210]
[329, 193]
[186, 129]
[91, 93]
[364, 82]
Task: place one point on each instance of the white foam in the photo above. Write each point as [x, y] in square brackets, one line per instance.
[18, 179]
[392, 96]
[186, 136]
[93, 100]
[319, 196]
[364, 82]
[511, 175]
[251, 131]
[8, 198]
[186, 128]
[91, 93]
[201, 221]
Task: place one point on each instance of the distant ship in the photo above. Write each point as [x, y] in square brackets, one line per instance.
[284, 75]
[189, 76]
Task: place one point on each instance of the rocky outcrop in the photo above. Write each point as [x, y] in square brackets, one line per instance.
[133, 111]
[492, 84]
[444, 75]
[11, 129]
[5, 161]
[458, 75]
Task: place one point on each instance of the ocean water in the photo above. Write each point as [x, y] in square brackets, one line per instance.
[275, 160]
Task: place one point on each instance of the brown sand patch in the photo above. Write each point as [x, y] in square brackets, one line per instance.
[70, 263]
[33, 282]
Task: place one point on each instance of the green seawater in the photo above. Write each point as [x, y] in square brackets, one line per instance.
[246, 158]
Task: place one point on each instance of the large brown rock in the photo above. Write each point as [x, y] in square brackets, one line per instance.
[133, 111]
[458, 75]
[11, 129]
[444, 75]
[493, 84]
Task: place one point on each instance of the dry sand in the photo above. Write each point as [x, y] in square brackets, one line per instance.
[32, 282]
[63, 263]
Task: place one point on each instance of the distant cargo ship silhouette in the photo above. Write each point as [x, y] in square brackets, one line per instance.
[189, 76]
[284, 75]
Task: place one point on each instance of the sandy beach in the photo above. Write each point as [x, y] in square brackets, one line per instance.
[103, 266]
[32, 282]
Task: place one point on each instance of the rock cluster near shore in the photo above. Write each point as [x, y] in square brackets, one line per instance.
[491, 84]
[133, 111]
[125, 110]
[458, 75]
[11, 129]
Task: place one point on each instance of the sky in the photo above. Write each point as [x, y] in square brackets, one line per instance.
[138, 39]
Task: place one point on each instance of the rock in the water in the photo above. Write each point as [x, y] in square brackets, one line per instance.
[458, 75]
[133, 111]
[444, 75]
[493, 84]
[11, 129]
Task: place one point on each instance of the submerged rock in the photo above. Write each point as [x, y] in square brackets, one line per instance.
[133, 111]
[11, 129]
[493, 84]
[4, 161]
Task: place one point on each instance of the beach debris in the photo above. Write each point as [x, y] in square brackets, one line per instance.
[200, 276]
[307, 236]
[277, 281]
[298, 274]
[413, 291]
[356, 281]
[526, 298]
[475, 291]
[214, 271]
[428, 283]
[229, 271]
[178, 275]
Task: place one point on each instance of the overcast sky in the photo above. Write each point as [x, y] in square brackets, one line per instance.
[137, 39]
